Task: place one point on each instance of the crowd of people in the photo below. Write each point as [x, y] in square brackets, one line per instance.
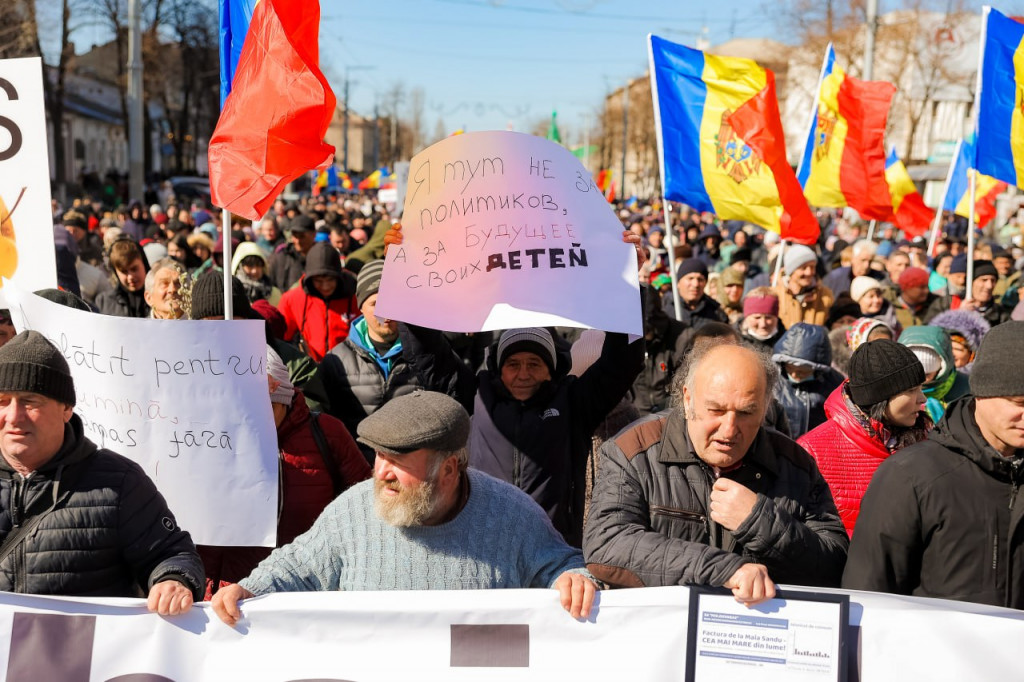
[849, 413]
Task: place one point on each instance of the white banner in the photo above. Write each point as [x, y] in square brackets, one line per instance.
[26, 216]
[506, 230]
[466, 635]
[187, 400]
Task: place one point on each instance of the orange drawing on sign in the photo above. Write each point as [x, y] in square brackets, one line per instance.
[8, 248]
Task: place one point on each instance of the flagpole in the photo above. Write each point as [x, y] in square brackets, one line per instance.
[934, 237]
[871, 229]
[225, 216]
[812, 123]
[670, 242]
[778, 262]
[973, 179]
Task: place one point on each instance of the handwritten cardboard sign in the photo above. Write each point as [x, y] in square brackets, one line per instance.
[187, 400]
[26, 216]
[506, 230]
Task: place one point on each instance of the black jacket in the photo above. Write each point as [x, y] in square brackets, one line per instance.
[109, 535]
[649, 523]
[286, 267]
[805, 402]
[539, 445]
[652, 390]
[707, 310]
[120, 302]
[943, 518]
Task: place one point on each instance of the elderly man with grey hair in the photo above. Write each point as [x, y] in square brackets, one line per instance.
[703, 494]
[425, 522]
[840, 279]
[163, 289]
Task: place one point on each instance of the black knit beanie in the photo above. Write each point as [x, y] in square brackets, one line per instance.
[998, 371]
[208, 297]
[368, 281]
[30, 363]
[882, 369]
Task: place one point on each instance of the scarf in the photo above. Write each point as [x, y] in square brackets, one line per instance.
[893, 438]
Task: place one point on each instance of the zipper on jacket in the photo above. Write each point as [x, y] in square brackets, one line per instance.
[17, 502]
[678, 513]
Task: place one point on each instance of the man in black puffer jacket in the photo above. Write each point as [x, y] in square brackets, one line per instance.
[76, 520]
[943, 517]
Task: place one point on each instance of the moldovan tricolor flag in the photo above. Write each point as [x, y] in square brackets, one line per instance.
[844, 159]
[908, 208]
[1000, 128]
[271, 129]
[720, 140]
[986, 189]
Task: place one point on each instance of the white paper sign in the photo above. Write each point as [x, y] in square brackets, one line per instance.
[504, 230]
[187, 400]
[507, 635]
[26, 216]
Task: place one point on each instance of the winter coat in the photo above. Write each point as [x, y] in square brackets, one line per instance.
[923, 314]
[539, 445]
[652, 390]
[110, 534]
[120, 302]
[805, 402]
[357, 380]
[706, 310]
[650, 525]
[286, 267]
[848, 448]
[942, 519]
[323, 324]
[306, 487]
[949, 384]
[254, 289]
[792, 310]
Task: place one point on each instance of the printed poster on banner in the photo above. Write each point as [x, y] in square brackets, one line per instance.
[26, 215]
[505, 230]
[187, 400]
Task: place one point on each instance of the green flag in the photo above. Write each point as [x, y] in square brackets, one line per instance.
[553, 134]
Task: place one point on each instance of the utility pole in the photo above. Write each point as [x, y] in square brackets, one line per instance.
[625, 138]
[376, 135]
[135, 101]
[869, 42]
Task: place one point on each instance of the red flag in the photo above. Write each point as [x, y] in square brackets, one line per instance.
[759, 124]
[272, 127]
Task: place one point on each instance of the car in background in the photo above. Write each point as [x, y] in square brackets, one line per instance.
[191, 188]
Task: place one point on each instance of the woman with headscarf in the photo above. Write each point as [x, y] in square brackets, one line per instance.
[943, 383]
[877, 411]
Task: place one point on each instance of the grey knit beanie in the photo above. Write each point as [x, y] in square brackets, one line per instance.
[998, 371]
[30, 363]
[536, 340]
[368, 281]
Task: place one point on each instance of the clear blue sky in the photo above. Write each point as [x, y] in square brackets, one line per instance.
[483, 64]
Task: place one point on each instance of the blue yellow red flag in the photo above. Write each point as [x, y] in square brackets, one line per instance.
[987, 188]
[803, 170]
[909, 210]
[720, 140]
[846, 162]
[1000, 124]
[235, 16]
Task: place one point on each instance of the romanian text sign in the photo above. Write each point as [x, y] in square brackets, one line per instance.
[508, 635]
[26, 216]
[187, 400]
[505, 230]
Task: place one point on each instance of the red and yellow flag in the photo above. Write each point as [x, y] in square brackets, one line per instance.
[909, 211]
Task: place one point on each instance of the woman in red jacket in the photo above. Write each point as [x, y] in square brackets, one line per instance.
[318, 460]
[323, 303]
[877, 411]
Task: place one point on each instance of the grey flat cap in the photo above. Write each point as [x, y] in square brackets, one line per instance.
[420, 420]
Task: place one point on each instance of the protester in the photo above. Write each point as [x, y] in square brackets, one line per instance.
[940, 518]
[288, 264]
[426, 521]
[868, 294]
[697, 307]
[77, 520]
[318, 461]
[966, 329]
[801, 297]
[943, 383]
[320, 309]
[867, 329]
[804, 356]
[368, 368]
[665, 342]
[878, 411]
[760, 323]
[730, 295]
[164, 283]
[249, 265]
[982, 298]
[915, 304]
[127, 297]
[704, 495]
[840, 280]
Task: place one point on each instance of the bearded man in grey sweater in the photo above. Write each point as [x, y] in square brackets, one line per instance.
[423, 522]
